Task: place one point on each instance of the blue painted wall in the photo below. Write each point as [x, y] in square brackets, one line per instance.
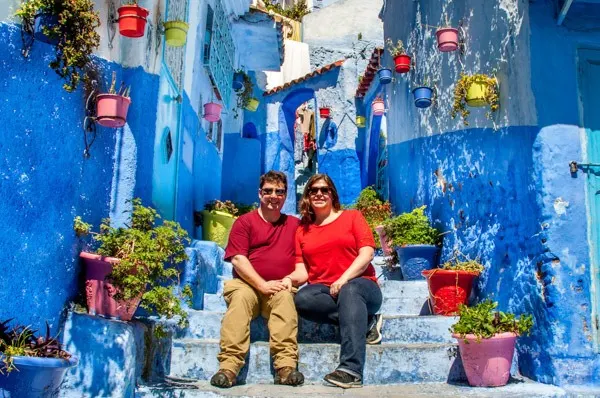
[505, 194]
[46, 181]
[241, 169]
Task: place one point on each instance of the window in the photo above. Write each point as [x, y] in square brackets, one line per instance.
[208, 34]
[214, 134]
[219, 51]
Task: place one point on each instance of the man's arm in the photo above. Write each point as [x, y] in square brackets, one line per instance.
[247, 272]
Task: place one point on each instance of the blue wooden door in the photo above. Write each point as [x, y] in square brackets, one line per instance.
[589, 85]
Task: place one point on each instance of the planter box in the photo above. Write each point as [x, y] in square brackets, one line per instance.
[35, 377]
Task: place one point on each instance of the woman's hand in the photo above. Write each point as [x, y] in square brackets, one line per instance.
[336, 286]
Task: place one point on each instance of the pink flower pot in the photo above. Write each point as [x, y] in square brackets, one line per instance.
[385, 244]
[487, 362]
[447, 39]
[378, 107]
[111, 110]
[212, 111]
[99, 292]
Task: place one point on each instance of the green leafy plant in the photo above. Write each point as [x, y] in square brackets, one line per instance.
[484, 321]
[75, 32]
[245, 94]
[148, 254]
[21, 341]
[229, 207]
[122, 91]
[491, 95]
[411, 229]
[374, 209]
[466, 264]
[295, 12]
[395, 49]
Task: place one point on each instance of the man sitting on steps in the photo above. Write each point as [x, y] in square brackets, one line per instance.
[265, 280]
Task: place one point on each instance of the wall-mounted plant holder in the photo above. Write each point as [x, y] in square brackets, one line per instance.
[402, 63]
[385, 75]
[447, 39]
[424, 96]
[132, 20]
[175, 33]
[325, 112]
[252, 105]
[212, 111]
[378, 107]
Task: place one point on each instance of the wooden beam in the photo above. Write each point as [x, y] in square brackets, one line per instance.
[563, 12]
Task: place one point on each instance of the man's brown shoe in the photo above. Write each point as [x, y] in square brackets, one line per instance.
[289, 376]
[224, 378]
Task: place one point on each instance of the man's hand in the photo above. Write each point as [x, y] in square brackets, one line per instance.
[335, 287]
[272, 287]
[287, 282]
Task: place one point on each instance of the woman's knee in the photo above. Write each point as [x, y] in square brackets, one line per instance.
[303, 300]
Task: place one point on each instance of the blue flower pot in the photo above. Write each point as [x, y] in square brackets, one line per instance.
[385, 75]
[414, 259]
[238, 82]
[47, 20]
[423, 97]
[35, 377]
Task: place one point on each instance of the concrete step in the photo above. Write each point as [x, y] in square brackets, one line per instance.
[518, 387]
[396, 329]
[385, 363]
[399, 298]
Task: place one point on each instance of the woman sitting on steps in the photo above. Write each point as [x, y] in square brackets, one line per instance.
[336, 247]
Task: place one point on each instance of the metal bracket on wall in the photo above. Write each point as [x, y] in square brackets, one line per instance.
[89, 121]
[110, 23]
[574, 166]
[27, 37]
[462, 38]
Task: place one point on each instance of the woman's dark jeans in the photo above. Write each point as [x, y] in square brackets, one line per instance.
[356, 300]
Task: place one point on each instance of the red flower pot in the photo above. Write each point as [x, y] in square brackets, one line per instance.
[402, 63]
[132, 20]
[324, 113]
[111, 110]
[99, 292]
[447, 39]
[448, 289]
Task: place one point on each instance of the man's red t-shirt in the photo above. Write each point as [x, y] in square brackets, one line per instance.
[328, 250]
[268, 246]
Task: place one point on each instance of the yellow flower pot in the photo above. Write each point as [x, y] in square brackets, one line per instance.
[361, 121]
[176, 33]
[216, 226]
[476, 94]
[252, 105]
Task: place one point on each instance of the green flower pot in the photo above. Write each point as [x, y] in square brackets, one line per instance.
[216, 226]
[176, 33]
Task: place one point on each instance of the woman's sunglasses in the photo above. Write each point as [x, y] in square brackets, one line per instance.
[316, 190]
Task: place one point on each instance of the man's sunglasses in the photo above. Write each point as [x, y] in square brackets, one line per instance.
[269, 191]
[316, 190]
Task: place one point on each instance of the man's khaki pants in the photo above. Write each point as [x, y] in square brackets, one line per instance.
[244, 303]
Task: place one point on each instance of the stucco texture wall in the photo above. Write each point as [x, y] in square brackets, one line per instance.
[46, 181]
[502, 188]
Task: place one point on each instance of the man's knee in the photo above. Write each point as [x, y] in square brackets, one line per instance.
[283, 298]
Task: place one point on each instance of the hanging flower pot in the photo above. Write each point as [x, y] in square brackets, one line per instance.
[447, 39]
[476, 93]
[111, 110]
[42, 21]
[448, 289]
[378, 107]
[212, 111]
[324, 112]
[99, 292]
[238, 81]
[132, 20]
[402, 63]
[385, 75]
[423, 96]
[252, 105]
[176, 33]
[361, 121]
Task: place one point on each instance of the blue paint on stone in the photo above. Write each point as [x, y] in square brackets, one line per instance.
[46, 181]
[344, 169]
[241, 169]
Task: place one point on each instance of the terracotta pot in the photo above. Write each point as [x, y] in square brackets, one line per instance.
[100, 292]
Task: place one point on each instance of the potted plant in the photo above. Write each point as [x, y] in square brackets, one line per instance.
[238, 80]
[378, 106]
[398, 53]
[450, 285]
[212, 111]
[71, 25]
[31, 366]
[423, 95]
[245, 100]
[385, 75]
[447, 37]
[112, 107]
[475, 90]
[415, 241]
[324, 112]
[486, 340]
[135, 265]
[176, 33]
[218, 218]
[376, 211]
[132, 19]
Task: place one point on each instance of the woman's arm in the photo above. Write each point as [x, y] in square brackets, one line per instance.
[356, 269]
[297, 278]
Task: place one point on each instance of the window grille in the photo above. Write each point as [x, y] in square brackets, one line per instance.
[219, 51]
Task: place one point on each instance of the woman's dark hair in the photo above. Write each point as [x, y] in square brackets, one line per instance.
[306, 211]
[274, 177]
